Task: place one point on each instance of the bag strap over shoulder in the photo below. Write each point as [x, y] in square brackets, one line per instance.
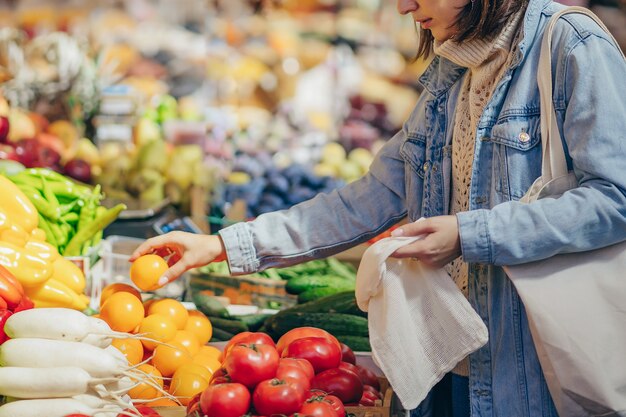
[554, 164]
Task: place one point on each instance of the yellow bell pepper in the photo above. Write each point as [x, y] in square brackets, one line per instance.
[10, 231]
[43, 250]
[29, 269]
[38, 234]
[69, 274]
[53, 293]
[17, 206]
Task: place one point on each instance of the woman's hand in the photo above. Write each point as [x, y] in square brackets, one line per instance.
[441, 244]
[185, 251]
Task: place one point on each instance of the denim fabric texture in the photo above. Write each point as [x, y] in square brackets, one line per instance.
[411, 177]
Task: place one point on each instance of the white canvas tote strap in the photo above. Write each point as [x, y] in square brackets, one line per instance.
[553, 163]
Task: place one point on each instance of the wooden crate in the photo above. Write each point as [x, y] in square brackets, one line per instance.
[382, 408]
[171, 411]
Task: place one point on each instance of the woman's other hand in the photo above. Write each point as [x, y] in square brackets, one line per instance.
[184, 251]
[440, 245]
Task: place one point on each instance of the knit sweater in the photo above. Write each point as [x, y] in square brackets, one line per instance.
[487, 61]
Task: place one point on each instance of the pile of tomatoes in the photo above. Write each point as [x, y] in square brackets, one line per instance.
[307, 373]
[179, 360]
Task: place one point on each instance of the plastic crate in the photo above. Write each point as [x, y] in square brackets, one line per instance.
[114, 266]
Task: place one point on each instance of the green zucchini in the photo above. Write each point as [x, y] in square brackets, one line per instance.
[315, 293]
[334, 323]
[231, 326]
[220, 335]
[341, 302]
[210, 305]
[356, 343]
[254, 321]
[303, 283]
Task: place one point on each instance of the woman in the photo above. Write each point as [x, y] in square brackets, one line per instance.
[468, 152]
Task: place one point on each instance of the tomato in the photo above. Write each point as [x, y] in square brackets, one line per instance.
[248, 338]
[299, 333]
[194, 402]
[336, 404]
[275, 396]
[200, 325]
[189, 380]
[368, 399]
[111, 289]
[318, 409]
[225, 400]
[347, 355]
[144, 389]
[251, 364]
[349, 367]
[168, 358]
[220, 377]
[157, 327]
[122, 311]
[188, 340]
[341, 383]
[373, 391]
[131, 348]
[171, 308]
[321, 352]
[210, 363]
[294, 373]
[146, 271]
[368, 377]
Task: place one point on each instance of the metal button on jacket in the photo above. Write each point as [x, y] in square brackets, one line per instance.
[524, 137]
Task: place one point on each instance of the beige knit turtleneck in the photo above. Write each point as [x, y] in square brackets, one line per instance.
[487, 61]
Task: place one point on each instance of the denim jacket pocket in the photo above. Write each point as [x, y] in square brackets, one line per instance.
[413, 151]
[516, 155]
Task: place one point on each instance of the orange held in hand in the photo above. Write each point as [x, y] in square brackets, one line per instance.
[147, 270]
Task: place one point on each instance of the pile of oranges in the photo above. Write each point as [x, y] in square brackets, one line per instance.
[178, 359]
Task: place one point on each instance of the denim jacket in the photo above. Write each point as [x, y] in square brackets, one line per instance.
[411, 176]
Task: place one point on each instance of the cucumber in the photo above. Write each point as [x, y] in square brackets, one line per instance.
[220, 335]
[254, 321]
[210, 305]
[334, 323]
[341, 302]
[303, 283]
[315, 293]
[356, 343]
[231, 326]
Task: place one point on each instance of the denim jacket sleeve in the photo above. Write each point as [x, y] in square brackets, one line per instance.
[590, 98]
[326, 224]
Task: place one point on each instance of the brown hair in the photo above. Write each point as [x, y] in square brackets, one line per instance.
[479, 19]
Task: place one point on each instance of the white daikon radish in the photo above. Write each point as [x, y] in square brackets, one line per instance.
[97, 340]
[55, 407]
[57, 382]
[43, 353]
[118, 355]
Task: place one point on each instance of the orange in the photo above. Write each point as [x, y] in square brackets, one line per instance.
[115, 288]
[160, 328]
[122, 311]
[171, 308]
[131, 348]
[146, 271]
[201, 326]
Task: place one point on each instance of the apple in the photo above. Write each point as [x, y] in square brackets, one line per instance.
[27, 151]
[39, 121]
[4, 128]
[48, 157]
[78, 169]
[22, 127]
[8, 152]
[51, 141]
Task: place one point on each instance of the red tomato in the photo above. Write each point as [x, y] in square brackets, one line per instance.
[225, 400]
[220, 377]
[299, 333]
[373, 391]
[144, 411]
[341, 383]
[277, 397]
[336, 404]
[349, 367]
[368, 377]
[293, 373]
[193, 403]
[248, 338]
[368, 399]
[299, 363]
[318, 409]
[251, 364]
[347, 355]
[322, 353]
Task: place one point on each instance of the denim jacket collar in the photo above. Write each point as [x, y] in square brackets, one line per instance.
[441, 74]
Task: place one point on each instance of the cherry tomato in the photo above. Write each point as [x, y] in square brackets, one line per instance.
[318, 409]
[345, 385]
[247, 338]
[275, 396]
[347, 355]
[146, 271]
[301, 332]
[225, 400]
[122, 311]
[251, 364]
[321, 352]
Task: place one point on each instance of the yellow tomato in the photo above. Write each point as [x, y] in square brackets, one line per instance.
[188, 339]
[210, 363]
[187, 381]
[171, 308]
[167, 359]
[122, 311]
[111, 289]
[131, 348]
[157, 327]
[146, 271]
[200, 325]
[210, 351]
[144, 390]
[163, 402]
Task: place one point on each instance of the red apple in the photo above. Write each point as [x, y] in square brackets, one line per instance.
[4, 129]
[79, 170]
[48, 157]
[27, 151]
